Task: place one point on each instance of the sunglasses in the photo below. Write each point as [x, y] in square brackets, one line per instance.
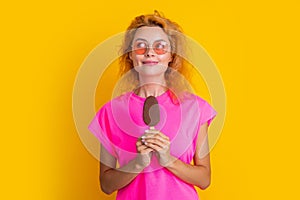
[142, 47]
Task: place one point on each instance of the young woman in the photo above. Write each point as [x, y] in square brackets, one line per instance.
[154, 163]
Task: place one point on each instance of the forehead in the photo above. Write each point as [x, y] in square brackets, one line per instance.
[150, 34]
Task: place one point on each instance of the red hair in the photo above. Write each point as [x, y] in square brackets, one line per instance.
[177, 42]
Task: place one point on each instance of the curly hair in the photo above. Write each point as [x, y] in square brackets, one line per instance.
[177, 43]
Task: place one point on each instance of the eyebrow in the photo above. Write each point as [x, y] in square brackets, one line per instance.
[140, 39]
[148, 42]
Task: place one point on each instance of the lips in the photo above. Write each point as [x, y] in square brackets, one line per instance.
[150, 62]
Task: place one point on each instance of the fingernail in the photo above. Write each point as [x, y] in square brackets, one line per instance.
[143, 137]
[147, 131]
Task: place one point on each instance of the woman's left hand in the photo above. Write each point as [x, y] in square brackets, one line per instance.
[160, 143]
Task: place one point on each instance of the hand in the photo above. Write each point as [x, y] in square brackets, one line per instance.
[160, 143]
[143, 158]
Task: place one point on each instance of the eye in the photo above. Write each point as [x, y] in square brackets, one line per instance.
[140, 45]
[161, 45]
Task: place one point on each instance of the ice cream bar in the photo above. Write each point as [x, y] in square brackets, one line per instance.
[151, 114]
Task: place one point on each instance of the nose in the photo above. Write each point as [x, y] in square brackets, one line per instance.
[150, 52]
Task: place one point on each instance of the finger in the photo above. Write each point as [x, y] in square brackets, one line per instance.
[141, 147]
[163, 136]
[156, 141]
[155, 133]
[138, 143]
[155, 147]
[160, 138]
[147, 150]
[158, 148]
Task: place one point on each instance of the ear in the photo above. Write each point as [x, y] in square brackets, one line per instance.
[130, 55]
[171, 59]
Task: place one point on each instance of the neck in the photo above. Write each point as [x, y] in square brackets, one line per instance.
[151, 86]
[152, 79]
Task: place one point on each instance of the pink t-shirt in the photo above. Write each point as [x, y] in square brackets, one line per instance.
[119, 123]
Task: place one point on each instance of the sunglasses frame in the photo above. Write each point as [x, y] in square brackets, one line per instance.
[144, 50]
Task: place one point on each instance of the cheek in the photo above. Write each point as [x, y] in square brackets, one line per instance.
[132, 57]
[166, 58]
[135, 59]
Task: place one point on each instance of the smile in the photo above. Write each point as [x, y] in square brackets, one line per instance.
[150, 63]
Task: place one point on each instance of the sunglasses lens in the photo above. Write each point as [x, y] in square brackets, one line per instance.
[140, 48]
[160, 47]
[140, 51]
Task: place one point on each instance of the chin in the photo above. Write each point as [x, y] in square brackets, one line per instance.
[153, 70]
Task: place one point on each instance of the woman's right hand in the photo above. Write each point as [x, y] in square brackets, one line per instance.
[144, 154]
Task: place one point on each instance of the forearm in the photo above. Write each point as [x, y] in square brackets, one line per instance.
[115, 179]
[197, 175]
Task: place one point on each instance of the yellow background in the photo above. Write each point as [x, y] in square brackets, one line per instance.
[255, 45]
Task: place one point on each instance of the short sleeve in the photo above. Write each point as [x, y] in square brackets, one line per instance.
[100, 127]
[208, 113]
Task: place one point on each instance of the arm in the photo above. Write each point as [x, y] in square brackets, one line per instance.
[112, 179]
[198, 174]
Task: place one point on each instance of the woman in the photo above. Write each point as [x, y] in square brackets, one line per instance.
[154, 163]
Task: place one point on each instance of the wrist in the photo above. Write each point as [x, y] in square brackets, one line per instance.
[138, 166]
[170, 162]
